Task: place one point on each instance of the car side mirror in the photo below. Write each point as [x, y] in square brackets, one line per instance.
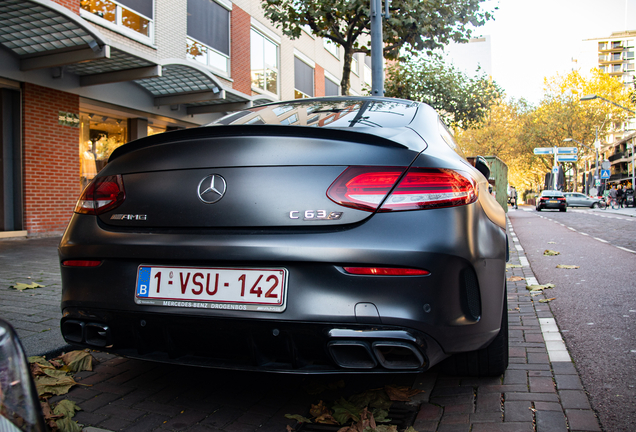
[20, 408]
[482, 166]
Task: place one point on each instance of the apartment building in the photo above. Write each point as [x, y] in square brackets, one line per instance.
[78, 78]
[615, 56]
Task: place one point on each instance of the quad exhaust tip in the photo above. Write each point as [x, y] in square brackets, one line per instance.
[394, 355]
[93, 334]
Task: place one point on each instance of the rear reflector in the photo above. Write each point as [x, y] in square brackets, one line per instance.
[101, 195]
[386, 271]
[365, 188]
[81, 263]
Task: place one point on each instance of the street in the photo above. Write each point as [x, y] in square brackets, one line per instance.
[594, 306]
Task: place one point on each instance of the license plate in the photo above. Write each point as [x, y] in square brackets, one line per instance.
[240, 289]
[553, 202]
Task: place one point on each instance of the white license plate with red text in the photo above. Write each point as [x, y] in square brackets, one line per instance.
[250, 289]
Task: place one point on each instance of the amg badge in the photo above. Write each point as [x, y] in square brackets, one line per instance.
[315, 215]
[129, 217]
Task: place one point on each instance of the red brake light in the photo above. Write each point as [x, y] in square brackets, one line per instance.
[101, 195]
[425, 188]
[386, 271]
[364, 188]
[81, 263]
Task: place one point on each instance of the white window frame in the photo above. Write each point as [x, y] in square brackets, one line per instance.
[223, 71]
[331, 47]
[276, 40]
[356, 62]
[335, 80]
[118, 26]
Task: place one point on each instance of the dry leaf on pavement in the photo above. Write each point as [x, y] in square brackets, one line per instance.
[23, 286]
[515, 279]
[513, 266]
[403, 394]
[539, 287]
[565, 266]
[547, 300]
[549, 252]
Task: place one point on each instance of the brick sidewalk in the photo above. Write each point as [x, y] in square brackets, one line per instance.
[540, 391]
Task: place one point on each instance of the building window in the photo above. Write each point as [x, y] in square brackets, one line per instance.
[303, 79]
[100, 135]
[332, 47]
[208, 40]
[355, 65]
[264, 60]
[331, 88]
[135, 15]
[367, 70]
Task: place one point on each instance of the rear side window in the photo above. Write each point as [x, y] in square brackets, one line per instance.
[449, 140]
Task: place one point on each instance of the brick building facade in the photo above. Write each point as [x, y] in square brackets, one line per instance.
[78, 79]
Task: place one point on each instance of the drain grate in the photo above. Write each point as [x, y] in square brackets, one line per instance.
[401, 415]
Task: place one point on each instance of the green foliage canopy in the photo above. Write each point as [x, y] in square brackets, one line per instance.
[461, 100]
[413, 25]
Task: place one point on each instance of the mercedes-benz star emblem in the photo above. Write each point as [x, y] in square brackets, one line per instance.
[212, 188]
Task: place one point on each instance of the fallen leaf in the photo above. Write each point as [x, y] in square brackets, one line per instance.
[326, 419]
[319, 409]
[23, 286]
[54, 385]
[298, 418]
[403, 394]
[539, 287]
[551, 242]
[547, 300]
[513, 266]
[565, 266]
[76, 361]
[549, 252]
[515, 278]
[67, 410]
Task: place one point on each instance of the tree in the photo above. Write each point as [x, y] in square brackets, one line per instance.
[413, 26]
[461, 100]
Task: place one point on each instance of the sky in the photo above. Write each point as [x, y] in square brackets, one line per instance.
[534, 39]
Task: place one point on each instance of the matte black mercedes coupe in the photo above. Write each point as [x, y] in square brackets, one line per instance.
[320, 235]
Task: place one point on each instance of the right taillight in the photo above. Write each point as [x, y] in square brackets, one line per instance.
[101, 195]
[365, 188]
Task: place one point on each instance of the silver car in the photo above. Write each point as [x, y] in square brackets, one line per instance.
[577, 199]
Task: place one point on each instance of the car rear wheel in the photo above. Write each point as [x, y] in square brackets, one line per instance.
[595, 205]
[489, 361]
[563, 209]
[538, 208]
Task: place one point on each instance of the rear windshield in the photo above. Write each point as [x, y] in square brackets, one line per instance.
[552, 193]
[342, 113]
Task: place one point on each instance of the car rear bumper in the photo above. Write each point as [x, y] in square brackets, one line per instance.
[456, 308]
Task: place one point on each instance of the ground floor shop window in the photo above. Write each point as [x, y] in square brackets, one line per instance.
[99, 136]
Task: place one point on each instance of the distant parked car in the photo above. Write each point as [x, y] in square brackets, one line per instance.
[551, 199]
[577, 199]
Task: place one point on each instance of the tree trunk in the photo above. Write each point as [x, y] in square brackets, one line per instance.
[345, 84]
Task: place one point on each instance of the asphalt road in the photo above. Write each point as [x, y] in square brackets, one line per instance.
[595, 305]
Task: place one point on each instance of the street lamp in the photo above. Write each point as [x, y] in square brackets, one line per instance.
[593, 96]
[595, 167]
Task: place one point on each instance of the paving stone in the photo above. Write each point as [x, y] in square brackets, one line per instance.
[564, 368]
[541, 384]
[486, 417]
[515, 377]
[548, 406]
[574, 399]
[146, 423]
[550, 421]
[503, 427]
[517, 411]
[488, 402]
[98, 401]
[568, 382]
[582, 420]
[429, 412]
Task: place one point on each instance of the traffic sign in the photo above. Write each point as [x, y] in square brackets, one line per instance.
[567, 150]
[598, 182]
[605, 174]
[606, 165]
[543, 150]
[555, 170]
[567, 157]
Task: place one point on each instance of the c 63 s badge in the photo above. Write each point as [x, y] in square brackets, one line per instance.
[309, 215]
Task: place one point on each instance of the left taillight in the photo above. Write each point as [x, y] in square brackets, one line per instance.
[101, 195]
